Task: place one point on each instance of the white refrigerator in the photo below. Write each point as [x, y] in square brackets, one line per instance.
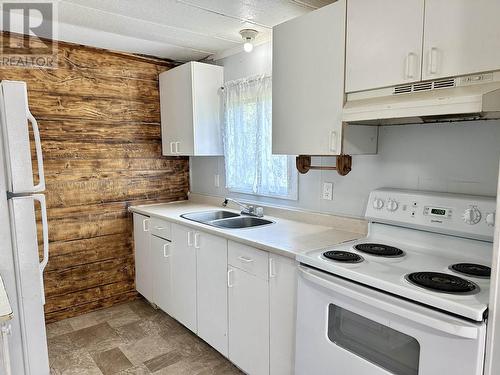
[21, 266]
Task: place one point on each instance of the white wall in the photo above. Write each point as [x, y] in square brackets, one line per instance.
[458, 157]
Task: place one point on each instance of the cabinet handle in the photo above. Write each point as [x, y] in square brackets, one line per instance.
[190, 238]
[271, 268]
[410, 65]
[333, 141]
[145, 225]
[197, 240]
[245, 259]
[165, 255]
[433, 61]
[229, 272]
[177, 146]
[172, 147]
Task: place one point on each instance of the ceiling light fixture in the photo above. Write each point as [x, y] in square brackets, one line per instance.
[248, 36]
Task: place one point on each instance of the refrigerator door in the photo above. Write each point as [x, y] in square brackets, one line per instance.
[29, 271]
[16, 119]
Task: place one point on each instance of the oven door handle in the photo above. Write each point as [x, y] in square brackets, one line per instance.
[392, 305]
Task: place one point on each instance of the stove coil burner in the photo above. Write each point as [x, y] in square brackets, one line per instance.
[471, 269]
[442, 282]
[380, 250]
[343, 256]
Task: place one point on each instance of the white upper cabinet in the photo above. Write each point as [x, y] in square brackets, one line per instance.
[308, 82]
[461, 37]
[384, 42]
[392, 42]
[191, 110]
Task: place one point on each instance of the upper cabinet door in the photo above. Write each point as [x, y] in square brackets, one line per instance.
[384, 42]
[461, 37]
[308, 82]
[191, 109]
[176, 105]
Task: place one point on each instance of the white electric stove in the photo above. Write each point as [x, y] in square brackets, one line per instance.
[410, 298]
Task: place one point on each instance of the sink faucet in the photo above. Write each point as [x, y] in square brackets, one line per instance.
[246, 209]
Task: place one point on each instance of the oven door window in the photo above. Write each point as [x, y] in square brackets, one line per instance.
[379, 344]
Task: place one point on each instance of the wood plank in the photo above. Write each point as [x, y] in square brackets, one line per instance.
[65, 254]
[63, 168]
[55, 106]
[161, 186]
[99, 131]
[90, 306]
[69, 82]
[60, 149]
[60, 282]
[81, 297]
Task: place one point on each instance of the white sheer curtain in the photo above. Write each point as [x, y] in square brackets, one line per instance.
[250, 166]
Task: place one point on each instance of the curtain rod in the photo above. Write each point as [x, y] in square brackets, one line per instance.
[250, 79]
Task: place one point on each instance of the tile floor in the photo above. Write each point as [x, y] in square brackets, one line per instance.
[131, 338]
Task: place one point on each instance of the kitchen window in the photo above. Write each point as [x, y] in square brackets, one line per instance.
[250, 166]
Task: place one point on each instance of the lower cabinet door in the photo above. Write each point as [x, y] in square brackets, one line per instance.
[183, 260]
[143, 274]
[248, 321]
[162, 273]
[212, 290]
[282, 301]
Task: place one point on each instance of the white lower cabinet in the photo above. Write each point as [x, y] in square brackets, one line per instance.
[211, 258]
[248, 299]
[143, 264]
[239, 299]
[162, 273]
[183, 263]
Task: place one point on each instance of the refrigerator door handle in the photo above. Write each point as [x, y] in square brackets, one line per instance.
[38, 149]
[45, 233]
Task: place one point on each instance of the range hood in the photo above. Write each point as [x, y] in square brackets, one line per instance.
[470, 97]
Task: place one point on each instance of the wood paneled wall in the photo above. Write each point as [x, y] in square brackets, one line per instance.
[99, 123]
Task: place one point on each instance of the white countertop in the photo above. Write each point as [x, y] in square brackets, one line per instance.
[5, 309]
[284, 237]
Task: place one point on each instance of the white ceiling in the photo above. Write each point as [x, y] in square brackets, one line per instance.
[180, 30]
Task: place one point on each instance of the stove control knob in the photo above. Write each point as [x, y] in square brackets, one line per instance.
[392, 205]
[472, 215]
[490, 219]
[378, 203]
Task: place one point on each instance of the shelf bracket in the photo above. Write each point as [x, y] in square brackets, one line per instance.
[343, 165]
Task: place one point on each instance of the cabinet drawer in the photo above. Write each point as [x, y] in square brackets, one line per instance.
[255, 262]
[161, 228]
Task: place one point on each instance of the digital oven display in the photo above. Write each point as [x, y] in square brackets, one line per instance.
[438, 211]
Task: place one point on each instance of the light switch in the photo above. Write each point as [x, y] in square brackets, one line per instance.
[328, 191]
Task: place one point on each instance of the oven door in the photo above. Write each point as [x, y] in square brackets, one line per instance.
[345, 328]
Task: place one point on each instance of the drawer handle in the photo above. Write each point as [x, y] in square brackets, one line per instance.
[159, 228]
[245, 259]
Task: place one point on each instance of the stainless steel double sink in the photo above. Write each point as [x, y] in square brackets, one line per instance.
[226, 219]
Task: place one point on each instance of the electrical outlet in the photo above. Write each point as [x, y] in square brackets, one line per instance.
[216, 180]
[328, 191]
